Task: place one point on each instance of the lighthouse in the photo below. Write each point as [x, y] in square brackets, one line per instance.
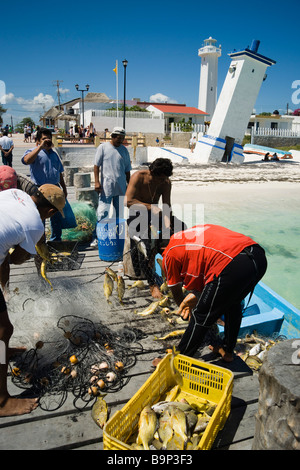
[209, 54]
[223, 141]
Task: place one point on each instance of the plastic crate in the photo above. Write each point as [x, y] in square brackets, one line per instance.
[201, 381]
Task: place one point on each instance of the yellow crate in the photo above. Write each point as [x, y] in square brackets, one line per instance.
[201, 381]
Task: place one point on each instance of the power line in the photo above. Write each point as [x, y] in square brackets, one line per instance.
[57, 83]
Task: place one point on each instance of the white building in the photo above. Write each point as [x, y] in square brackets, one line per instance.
[209, 54]
[177, 113]
[234, 107]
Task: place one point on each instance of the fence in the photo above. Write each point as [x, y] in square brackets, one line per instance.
[128, 114]
[187, 127]
[268, 132]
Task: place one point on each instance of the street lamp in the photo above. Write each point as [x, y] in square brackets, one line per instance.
[82, 100]
[125, 62]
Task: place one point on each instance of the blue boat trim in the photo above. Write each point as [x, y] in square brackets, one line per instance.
[174, 153]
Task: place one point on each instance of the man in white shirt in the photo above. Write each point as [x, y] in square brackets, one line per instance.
[6, 147]
[21, 228]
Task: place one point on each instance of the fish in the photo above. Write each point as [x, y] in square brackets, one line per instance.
[120, 288]
[164, 287]
[112, 274]
[193, 442]
[139, 284]
[100, 412]
[202, 422]
[147, 426]
[160, 407]
[164, 302]
[172, 393]
[150, 309]
[191, 421]
[175, 373]
[108, 286]
[43, 272]
[170, 335]
[178, 421]
[43, 251]
[165, 430]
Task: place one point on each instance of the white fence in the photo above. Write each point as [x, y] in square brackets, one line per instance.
[128, 114]
[182, 127]
[268, 132]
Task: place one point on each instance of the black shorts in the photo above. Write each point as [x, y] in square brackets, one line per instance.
[2, 302]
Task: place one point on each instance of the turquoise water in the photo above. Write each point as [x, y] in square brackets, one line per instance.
[272, 222]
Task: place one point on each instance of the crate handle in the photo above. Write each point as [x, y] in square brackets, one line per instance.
[196, 366]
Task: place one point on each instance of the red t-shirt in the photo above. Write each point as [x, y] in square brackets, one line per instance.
[193, 257]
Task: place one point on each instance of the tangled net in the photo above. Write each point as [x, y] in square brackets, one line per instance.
[86, 355]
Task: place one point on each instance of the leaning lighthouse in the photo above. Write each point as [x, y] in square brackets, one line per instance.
[223, 141]
[209, 54]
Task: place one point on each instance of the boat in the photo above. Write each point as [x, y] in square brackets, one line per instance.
[269, 314]
[261, 150]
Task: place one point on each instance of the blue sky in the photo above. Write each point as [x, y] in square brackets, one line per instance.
[79, 43]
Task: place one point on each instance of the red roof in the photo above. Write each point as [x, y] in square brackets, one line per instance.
[171, 108]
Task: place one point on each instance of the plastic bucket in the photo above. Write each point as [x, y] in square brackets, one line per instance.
[111, 238]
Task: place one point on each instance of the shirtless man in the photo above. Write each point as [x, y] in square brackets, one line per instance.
[144, 191]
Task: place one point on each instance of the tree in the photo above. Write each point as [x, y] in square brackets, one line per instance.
[2, 111]
[26, 121]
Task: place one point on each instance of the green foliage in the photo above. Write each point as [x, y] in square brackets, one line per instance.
[27, 120]
[2, 111]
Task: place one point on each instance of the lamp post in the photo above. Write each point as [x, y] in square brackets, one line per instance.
[82, 99]
[125, 62]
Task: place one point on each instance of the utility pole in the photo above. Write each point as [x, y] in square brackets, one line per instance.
[57, 83]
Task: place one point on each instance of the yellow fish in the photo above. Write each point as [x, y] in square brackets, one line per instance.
[108, 286]
[150, 309]
[112, 274]
[147, 427]
[120, 288]
[43, 272]
[165, 430]
[139, 284]
[100, 412]
[170, 335]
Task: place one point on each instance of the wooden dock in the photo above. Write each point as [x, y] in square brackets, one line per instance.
[68, 428]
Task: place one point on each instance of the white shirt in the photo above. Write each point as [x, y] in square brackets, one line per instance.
[114, 163]
[6, 142]
[20, 222]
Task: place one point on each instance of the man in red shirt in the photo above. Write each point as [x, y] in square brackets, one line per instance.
[222, 267]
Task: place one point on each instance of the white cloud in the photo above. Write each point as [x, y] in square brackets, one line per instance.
[161, 98]
[63, 91]
[37, 103]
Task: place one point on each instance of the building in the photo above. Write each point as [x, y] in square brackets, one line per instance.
[209, 54]
[177, 113]
[223, 141]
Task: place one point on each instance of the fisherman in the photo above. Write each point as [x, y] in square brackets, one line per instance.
[21, 228]
[144, 191]
[221, 267]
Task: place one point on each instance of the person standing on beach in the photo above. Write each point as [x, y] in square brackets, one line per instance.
[113, 159]
[6, 147]
[222, 267]
[19, 210]
[46, 167]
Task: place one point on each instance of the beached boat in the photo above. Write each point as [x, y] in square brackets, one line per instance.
[261, 150]
[269, 314]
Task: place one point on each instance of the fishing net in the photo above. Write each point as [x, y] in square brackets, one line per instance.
[85, 359]
[86, 219]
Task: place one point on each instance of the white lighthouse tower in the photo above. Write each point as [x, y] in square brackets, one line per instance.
[223, 141]
[209, 54]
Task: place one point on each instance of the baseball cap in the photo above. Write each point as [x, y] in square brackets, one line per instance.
[54, 195]
[118, 131]
[8, 178]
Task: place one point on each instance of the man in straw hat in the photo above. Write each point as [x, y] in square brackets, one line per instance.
[21, 228]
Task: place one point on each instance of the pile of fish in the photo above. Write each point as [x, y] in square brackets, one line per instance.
[252, 349]
[172, 425]
[110, 277]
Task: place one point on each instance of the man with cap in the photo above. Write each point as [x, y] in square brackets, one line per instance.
[21, 228]
[113, 159]
[6, 147]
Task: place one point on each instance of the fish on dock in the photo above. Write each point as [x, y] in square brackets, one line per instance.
[100, 412]
[150, 309]
[112, 274]
[138, 284]
[44, 272]
[120, 288]
[170, 335]
[108, 286]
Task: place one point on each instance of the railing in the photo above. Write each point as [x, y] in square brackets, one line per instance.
[267, 132]
[187, 127]
[129, 114]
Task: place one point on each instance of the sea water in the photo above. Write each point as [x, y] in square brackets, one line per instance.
[271, 218]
